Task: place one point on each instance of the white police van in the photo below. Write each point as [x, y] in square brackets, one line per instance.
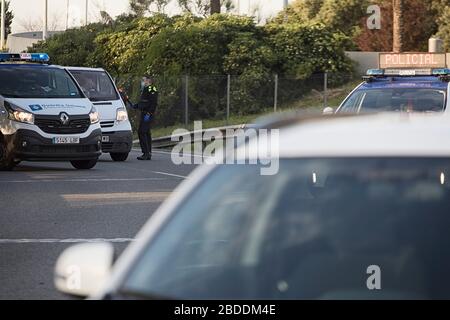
[404, 82]
[99, 87]
[44, 114]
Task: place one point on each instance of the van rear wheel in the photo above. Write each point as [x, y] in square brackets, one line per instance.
[84, 164]
[119, 156]
[6, 161]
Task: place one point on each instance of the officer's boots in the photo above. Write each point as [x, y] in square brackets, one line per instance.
[145, 156]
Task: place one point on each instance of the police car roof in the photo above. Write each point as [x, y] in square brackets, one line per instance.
[374, 135]
[27, 65]
[424, 82]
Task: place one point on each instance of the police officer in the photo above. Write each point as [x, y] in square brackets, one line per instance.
[147, 105]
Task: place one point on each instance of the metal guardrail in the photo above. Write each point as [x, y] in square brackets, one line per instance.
[195, 136]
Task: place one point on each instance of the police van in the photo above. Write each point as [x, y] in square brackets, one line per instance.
[99, 87]
[44, 114]
[404, 82]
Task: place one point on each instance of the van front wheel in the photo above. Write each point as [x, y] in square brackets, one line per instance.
[84, 164]
[119, 156]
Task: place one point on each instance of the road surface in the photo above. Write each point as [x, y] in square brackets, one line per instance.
[45, 207]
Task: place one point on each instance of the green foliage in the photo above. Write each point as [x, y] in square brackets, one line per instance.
[122, 49]
[71, 48]
[303, 49]
[342, 15]
[442, 8]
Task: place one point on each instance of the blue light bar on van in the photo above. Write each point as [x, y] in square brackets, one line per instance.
[25, 57]
[375, 72]
[441, 72]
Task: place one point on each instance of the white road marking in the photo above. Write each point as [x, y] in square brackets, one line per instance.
[83, 180]
[170, 174]
[170, 153]
[102, 199]
[19, 241]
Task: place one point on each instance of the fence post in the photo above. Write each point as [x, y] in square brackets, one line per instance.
[325, 90]
[228, 98]
[186, 101]
[275, 98]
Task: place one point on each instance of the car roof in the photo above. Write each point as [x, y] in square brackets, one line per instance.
[405, 82]
[84, 69]
[370, 135]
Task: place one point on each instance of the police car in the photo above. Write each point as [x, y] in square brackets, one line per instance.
[99, 87]
[407, 82]
[44, 114]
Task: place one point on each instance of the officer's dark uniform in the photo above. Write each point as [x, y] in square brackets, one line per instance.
[147, 105]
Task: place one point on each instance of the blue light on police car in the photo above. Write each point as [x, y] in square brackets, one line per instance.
[441, 72]
[40, 57]
[375, 72]
[32, 57]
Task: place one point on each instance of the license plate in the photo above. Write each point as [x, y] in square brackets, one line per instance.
[407, 72]
[66, 140]
[105, 138]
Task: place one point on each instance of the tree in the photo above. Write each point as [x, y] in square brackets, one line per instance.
[215, 6]
[342, 15]
[72, 47]
[140, 7]
[9, 16]
[420, 23]
[106, 18]
[206, 7]
[398, 25]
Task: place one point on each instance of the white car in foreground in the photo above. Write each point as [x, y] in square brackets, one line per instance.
[358, 210]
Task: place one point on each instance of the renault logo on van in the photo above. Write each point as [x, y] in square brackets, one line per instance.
[64, 117]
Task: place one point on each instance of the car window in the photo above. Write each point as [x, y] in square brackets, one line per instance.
[353, 103]
[96, 84]
[403, 100]
[37, 82]
[311, 231]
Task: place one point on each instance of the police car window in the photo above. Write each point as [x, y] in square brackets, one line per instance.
[353, 103]
[397, 99]
[97, 85]
[37, 82]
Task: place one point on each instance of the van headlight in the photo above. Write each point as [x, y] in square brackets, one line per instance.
[122, 115]
[93, 115]
[19, 115]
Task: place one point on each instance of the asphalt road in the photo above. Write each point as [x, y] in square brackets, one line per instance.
[44, 207]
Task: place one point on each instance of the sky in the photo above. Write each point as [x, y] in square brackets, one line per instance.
[28, 13]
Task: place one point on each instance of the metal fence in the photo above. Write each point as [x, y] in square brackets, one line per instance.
[229, 99]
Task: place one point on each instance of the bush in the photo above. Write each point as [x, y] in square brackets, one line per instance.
[71, 48]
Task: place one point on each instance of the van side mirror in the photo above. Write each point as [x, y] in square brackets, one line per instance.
[328, 111]
[82, 270]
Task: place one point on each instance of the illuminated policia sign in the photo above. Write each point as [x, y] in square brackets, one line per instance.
[412, 60]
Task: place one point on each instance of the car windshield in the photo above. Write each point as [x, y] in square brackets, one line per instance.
[23, 81]
[97, 85]
[316, 230]
[403, 100]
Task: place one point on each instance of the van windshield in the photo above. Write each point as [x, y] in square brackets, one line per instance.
[25, 81]
[97, 85]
